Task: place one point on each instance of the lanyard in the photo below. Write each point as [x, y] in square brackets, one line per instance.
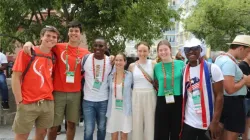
[122, 83]
[165, 75]
[67, 58]
[203, 109]
[103, 71]
[232, 58]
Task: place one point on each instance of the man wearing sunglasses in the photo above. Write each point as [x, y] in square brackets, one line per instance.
[96, 68]
[233, 116]
[67, 80]
[202, 94]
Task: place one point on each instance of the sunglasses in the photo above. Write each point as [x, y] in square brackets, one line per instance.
[196, 48]
[98, 45]
[50, 27]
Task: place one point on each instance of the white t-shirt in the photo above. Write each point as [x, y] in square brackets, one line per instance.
[90, 93]
[191, 117]
[3, 58]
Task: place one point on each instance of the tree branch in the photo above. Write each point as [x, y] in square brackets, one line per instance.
[41, 15]
[14, 37]
[65, 12]
[37, 19]
[49, 9]
[73, 10]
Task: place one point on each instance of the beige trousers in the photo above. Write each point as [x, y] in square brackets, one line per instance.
[143, 109]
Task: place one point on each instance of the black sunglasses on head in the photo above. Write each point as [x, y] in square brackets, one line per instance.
[98, 45]
[196, 48]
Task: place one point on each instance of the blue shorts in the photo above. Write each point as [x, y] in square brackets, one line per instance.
[247, 107]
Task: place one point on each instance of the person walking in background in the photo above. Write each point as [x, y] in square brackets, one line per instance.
[3, 84]
[233, 115]
[143, 96]
[202, 94]
[244, 66]
[168, 107]
[119, 111]
[32, 86]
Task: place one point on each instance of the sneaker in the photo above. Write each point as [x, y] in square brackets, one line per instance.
[5, 105]
[81, 124]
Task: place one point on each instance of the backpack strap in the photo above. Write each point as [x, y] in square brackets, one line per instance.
[33, 56]
[84, 59]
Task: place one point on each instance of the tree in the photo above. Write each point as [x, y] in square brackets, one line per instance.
[219, 21]
[115, 20]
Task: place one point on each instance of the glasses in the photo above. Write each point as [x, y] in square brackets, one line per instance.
[98, 45]
[187, 50]
[51, 27]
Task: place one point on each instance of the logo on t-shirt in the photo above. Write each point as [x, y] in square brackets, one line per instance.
[63, 58]
[39, 72]
[195, 84]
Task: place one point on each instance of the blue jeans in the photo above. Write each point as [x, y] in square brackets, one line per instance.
[3, 87]
[94, 112]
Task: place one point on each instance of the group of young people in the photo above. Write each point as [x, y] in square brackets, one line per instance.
[161, 100]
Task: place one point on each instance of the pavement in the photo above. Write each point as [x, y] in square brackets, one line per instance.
[7, 134]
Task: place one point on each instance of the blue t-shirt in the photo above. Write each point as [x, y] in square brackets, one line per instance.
[230, 68]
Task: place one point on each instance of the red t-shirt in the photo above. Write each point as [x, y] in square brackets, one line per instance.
[37, 83]
[60, 67]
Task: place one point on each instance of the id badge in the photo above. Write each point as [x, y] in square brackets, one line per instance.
[97, 85]
[119, 104]
[197, 102]
[169, 96]
[70, 77]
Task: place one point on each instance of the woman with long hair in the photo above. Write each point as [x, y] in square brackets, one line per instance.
[168, 75]
[119, 111]
[143, 96]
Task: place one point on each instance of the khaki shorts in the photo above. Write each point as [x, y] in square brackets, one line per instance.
[40, 114]
[67, 103]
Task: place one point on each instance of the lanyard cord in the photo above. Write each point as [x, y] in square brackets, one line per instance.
[165, 75]
[67, 59]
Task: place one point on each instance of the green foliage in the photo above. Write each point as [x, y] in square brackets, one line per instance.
[115, 20]
[219, 21]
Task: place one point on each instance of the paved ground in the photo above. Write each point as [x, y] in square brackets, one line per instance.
[7, 134]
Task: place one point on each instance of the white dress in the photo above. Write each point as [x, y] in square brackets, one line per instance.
[118, 121]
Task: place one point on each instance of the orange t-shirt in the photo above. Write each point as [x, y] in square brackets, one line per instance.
[60, 67]
[37, 83]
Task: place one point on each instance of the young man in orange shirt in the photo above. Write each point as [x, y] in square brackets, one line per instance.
[67, 80]
[32, 86]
